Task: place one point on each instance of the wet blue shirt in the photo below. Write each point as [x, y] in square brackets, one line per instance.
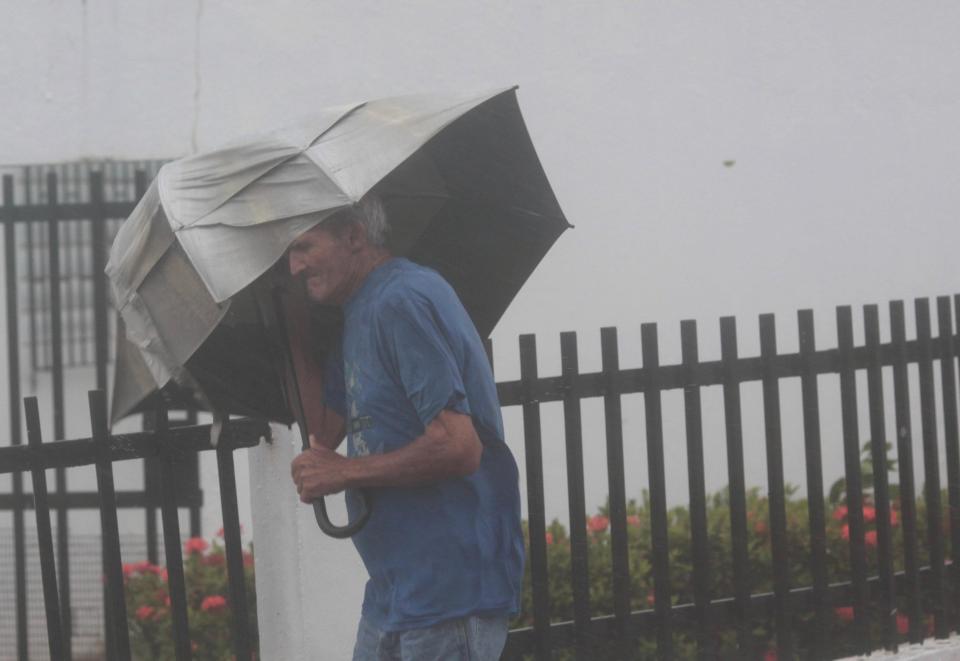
[455, 547]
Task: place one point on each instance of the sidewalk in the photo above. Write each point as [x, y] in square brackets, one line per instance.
[930, 650]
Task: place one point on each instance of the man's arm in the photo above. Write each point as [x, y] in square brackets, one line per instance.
[449, 447]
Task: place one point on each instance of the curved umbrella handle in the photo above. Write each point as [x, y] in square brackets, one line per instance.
[342, 532]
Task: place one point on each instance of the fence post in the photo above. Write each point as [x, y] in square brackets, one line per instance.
[48, 570]
[56, 353]
[699, 536]
[13, 386]
[737, 484]
[171, 540]
[613, 426]
[810, 395]
[908, 497]
[656, 470]
[854, 485]
[533, 453]
[116, 610]
[775, 487]
[931, 465]
[881, 492]
[950, 433]
[234, 553]
[573, 435]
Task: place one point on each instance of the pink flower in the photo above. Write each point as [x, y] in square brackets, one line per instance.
[869, 513]
[894, 518]
[598, 523]
[145, 613]
[164, 576]
[214, 602]
[870, 538]
[845, 531]
[840, 513]
[549, 537]
[845, 613]
[195, 545]
[633, 520]
[128, 570]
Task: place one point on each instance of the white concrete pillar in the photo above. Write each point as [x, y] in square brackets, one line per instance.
[309, 586]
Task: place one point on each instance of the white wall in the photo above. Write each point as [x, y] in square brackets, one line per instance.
[839, 120]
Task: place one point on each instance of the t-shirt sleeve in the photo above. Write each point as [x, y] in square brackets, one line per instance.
[334, 390]
[419, 350]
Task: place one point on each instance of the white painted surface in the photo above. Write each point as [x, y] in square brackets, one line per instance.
[309, 586]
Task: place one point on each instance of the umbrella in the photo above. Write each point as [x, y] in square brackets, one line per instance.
[193, 267]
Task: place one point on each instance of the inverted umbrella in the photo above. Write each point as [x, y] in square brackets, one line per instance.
[191, 268]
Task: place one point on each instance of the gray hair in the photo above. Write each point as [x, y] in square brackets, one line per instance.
[370, 214]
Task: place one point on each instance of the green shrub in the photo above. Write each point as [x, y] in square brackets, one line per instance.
[760, 577]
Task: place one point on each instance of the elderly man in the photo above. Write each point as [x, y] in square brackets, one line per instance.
[412, 391]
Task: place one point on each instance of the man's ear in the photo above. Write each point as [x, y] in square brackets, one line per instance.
[357, 237]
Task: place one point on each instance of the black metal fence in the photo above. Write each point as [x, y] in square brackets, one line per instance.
[167, 445]
[926, 584]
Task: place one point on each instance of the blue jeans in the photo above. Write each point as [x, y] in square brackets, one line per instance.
[468, 639]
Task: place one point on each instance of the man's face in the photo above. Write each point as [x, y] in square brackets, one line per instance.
[325, 262]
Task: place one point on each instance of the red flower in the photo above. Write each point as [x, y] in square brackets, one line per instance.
[633, 520]
[840, 513]
[195, 545]
[870, 538]
[163, 575]
[770, 654]
[903, 624]
[214, 602]
[549, 537]
[145, 613]
[894, 518]
[845, 613]
[869, 513]
[220, 533]
[128, 570]
[215, 560]
[845, 531]
[597, 523]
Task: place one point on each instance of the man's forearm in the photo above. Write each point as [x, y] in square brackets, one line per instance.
[430, 458]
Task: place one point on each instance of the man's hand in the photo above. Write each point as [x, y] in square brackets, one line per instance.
[318, 471]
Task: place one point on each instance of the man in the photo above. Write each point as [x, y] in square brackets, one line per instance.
[412, 391]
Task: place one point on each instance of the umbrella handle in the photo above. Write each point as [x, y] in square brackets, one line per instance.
[342, 532]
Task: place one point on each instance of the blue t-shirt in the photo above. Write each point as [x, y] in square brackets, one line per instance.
[443, 550]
